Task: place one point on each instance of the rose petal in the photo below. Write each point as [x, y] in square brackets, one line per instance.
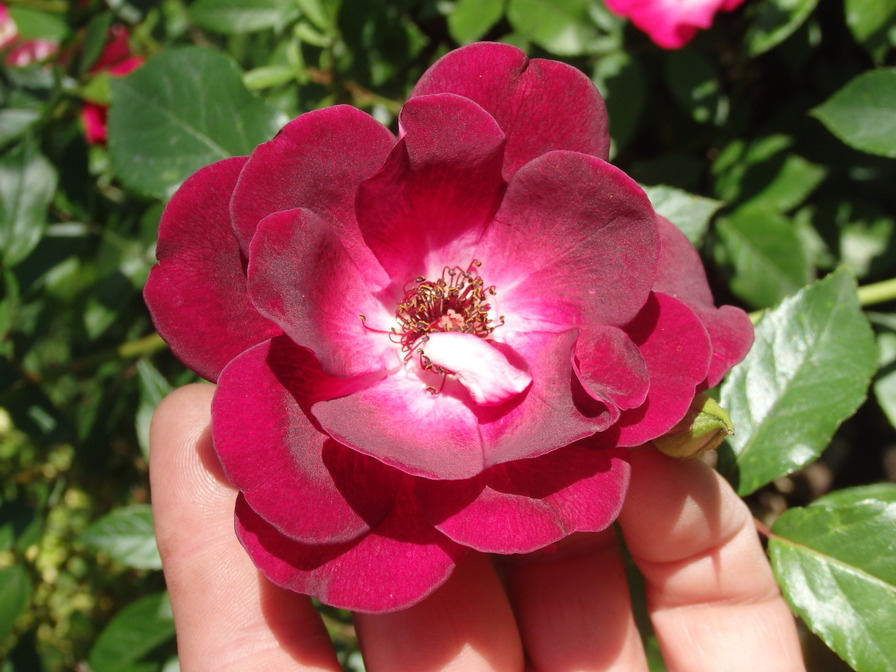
[438, 189]
[197, 293]
[521, 506]
[303, 279]
[480, 367]
[680, 274]
[395, 566]
[316, 162]
[671, 23]
[573, 244]
[399, 422]
[294, 476]
[541, 105]
[677, 352]
[610, 366]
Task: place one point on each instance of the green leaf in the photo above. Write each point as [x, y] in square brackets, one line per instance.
[620, 80]
[694, 82]
[27, 184]
[15, 596]
[773, 21]
[689, 213]
[869, 21]
[766, 253]
[14, 122]
[126, 534]
[153, 388]
[182, 110]
[808, 371]
[233, 17]
[563, 27]
[132, 635]
[863, 113]
[471, 19]
[885, 381]
[836, 566]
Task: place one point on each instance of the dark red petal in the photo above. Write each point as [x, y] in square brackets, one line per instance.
[610, 366]
[293, 475]
[316, 162]
[399, 563]
[437, 191]
[521, 506]
[680, 274]
[541, 105]
[676, 348]
[197, 293]
[574, 243]
[303, 279]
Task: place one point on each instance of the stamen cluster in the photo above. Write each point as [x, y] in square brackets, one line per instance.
[456, 301]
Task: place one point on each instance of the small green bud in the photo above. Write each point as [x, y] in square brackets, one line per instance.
[703, 428]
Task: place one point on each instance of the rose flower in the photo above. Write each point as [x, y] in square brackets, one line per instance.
[438, 342]
[671, 24]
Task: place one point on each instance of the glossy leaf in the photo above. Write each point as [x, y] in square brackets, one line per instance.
[773, 21]
[563, 27]
[765, 252]
[134, 633]
[863, 113]
[471, 19]
[869, 21]
[182, 110]
[885, 381]
[620, 80]
[27, 184]
[153, 388]
[126, 534]
[836, 566]
[15, 595]
[807, 372]
[233, 17]
[689, 213]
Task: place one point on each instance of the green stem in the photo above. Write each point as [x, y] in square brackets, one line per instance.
[877, 292]
[142, 346]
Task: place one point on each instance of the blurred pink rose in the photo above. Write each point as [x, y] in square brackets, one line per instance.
[438, 342]
[671, 23]
[118, 61]
[8, 29]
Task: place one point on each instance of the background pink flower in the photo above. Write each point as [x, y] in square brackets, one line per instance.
[671, 23]
[8, 29]
[116, 60]
[435, 342]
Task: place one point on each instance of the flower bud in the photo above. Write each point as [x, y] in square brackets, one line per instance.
[703, 428]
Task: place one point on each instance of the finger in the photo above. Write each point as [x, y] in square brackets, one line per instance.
[228, 617]
[465, 625]
[573, 607]
[713, 600]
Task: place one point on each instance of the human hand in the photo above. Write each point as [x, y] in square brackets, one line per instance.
[713, 601]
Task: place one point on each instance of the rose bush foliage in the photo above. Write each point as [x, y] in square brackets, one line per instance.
[435, 342]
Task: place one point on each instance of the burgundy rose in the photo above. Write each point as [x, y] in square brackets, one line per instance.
[438, 342]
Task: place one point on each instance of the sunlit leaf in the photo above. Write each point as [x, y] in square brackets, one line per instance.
[232, 17]
[836, 565]
[563, 27]
[808, 371]
[27, 184]
[132, 635]
[182, 110]
[773, 21]
[126, 534]
[15, 595]
[688, 212]
[863, 113]
[469, 20]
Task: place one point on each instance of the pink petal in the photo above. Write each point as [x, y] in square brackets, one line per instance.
[553, 413]
[540, 105]
[680, 274]
[93, 117]
[302, 278]
[671, 23]
[401, 423]
[521, 506]
[316, 162]
[610, 367]
[574, 243]
[488, 375]
[197, 293]
[437, 191]
[676, 349]
[396, 565]
[298, 479]
[9, 32]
